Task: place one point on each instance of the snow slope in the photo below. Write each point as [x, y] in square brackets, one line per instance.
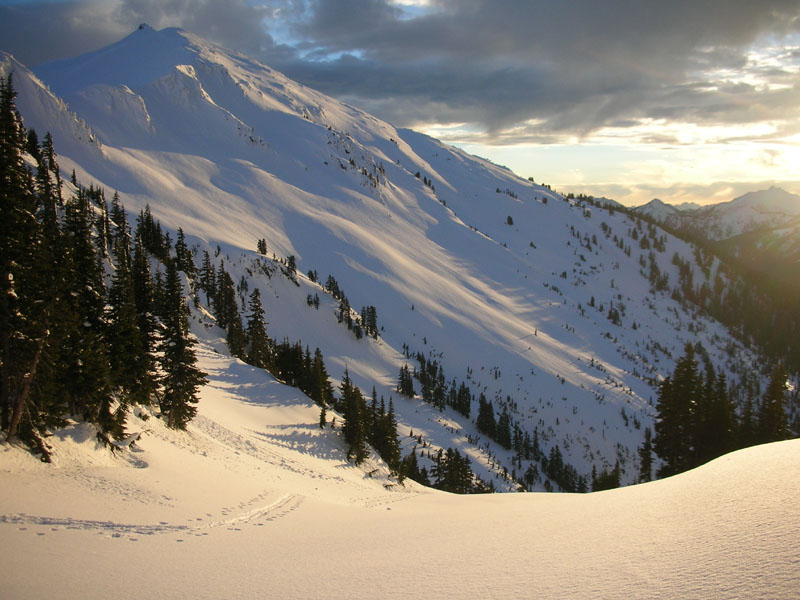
[507, 284]
[254, 500]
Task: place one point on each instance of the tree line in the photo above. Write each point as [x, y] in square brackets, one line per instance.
[502, 429]
[697, 420]
[71, 344]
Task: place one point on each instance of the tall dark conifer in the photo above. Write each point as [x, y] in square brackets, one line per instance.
[88, 379]
[485, 420]
[675, 427]
[129, 351]
[354, 411]
[183, 255]
[405, 383]
[320, 390]
[258, 344]
[27, 295]
[773, 424]
[207, 280]
[646, 457]
[182, 379]
[226, 309]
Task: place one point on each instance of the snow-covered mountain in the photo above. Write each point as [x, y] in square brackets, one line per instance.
[657, 210]
[558, 311]
[765, 209]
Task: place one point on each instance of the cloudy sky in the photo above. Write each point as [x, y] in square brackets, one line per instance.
[687, 100]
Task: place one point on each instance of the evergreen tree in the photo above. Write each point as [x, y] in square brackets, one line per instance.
[20, 235]
[288, 364]
[723, 417]
[182, 379]
[319, 386]
[503, 429]
[227, 313]
[674, 430]
[391, 447]
[646, 457]
[485, 420]
[207, 280]
[88, 386]
[354, 411]
[183, 255]
[452, 473]
[463, 400]
[102, 221]
[144, 298]
[130, 365]
[607, 480]
[49, 154]
[291, 267]
[410, 468]
[405, 384]
[747, 434]
[258, 353]
[773, 424]
[369, 320]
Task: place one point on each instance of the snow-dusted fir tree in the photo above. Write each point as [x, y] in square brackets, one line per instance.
[181, 378]
[258, 343]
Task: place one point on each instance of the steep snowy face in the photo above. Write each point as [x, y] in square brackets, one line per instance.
[536, 301]
[139, 58]
[49, 112]
[172, 69]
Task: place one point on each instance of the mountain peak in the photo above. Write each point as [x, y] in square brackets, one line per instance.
[774, 199]
[656, 209]
[142, 56]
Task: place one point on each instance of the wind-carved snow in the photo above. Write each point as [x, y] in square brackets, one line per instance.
[108, 102]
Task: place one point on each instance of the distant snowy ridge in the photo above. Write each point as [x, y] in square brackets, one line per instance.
[764, 209]
[657, 210]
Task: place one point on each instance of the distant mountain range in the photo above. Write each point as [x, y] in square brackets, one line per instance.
[759, 231]
[765, 210]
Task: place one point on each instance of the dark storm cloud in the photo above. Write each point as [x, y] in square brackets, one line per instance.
[231, 23]
[532, 69]
[39, 32]
[572, 66]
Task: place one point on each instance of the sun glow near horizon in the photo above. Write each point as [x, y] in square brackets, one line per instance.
[675, 162]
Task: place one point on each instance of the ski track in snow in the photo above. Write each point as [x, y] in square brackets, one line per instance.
[258, 516]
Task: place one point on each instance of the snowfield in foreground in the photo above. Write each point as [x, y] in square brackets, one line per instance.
[255, 500]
